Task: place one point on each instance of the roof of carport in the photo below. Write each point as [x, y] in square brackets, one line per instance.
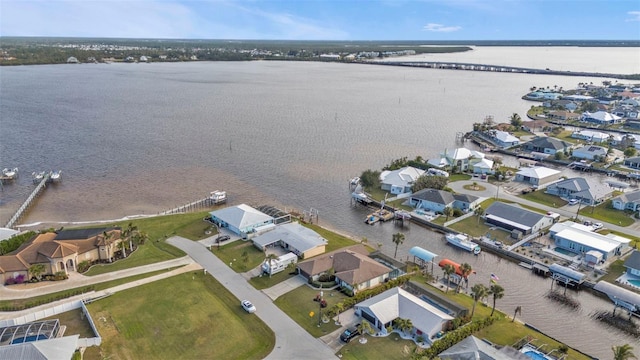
[421, 253]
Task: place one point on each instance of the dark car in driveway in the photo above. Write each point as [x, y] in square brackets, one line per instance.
[349, 334]
[222, 238]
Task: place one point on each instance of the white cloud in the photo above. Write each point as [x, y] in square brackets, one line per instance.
[635, 15]
[440, 28]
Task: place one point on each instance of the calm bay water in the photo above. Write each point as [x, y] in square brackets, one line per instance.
[142, 138]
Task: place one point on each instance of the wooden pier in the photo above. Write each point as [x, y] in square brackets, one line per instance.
[27, 204]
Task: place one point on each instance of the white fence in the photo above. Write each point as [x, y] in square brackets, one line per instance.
[55, 310]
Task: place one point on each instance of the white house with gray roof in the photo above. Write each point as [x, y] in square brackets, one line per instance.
[382, 309]
[627, 201]
[436, 200]
[472, 348]
[633, 264]
[242, 219]
[512, 217]
[461, 158]
[600, 118]
[293, 237]
[590, 152]
[547, 145]
[581, 241]
[588, 191]
[399, 181]
[504, 139]
[590, 135]
[537, 175]
[484, 166]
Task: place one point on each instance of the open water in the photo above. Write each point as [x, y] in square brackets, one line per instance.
[142, 138]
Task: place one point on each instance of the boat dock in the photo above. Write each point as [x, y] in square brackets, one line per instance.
[25, 206]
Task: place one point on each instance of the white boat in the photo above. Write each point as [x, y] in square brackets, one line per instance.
[355, 181]
[463, 242]
[55, 176]
[10, 174]
[38, 176]
[218, 197]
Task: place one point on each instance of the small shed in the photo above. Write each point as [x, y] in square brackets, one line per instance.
[593, 257]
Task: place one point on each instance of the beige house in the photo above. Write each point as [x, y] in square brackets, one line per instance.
[353, 268]
[61, 251]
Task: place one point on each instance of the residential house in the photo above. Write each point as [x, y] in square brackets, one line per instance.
[437, 200]
[472, 348]
[352, 267]
[61, 251]
[632, 162]
[633, 264]
[537, 175]
[627, 201]
[563, 104]
[503, 139]
[591, 136]
[396, 303]
[547, 145]
[292, 237]
[512, 217]
[535, 125]
[588, 192]
[590, 152]
[399, 181]
[242, 220]
[600, 118]
[542, 95]
[461, 159]
[580, 241]
[633, 101]
[563, 115]
[626, 111]
[484, 166]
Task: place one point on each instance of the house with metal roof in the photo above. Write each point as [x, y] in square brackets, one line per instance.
[547, 145]
[399, 181]
[632, 162]
[60, 251]
[512, 217]
[504, 139]
[382, 309]
[352, 267]
[627, 201]
[537, 175]
[621, 297]
[580, 241]
[436, 200]
[591, 136]
[292, 237]
[590, 152]
[600, 118]
[632, 264]
[460, 158]
[588, 192]
[242, 219]
[472, 348]
[484, 166]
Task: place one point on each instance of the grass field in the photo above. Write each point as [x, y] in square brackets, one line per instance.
[607, 213]
[265, 281]
[299, 303]
[75, 322]
[44, 299]
[391, 347]
[541, 197]
[196, 318]
[232, 253]
[335, 241]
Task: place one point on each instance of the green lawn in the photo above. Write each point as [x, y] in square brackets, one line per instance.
[199, 320]
[148, 253]
[389, 347]
[459, 177]
[76, 323]
[17, 304]
[473, 226]
[232, 253]
[614, 271]
[541, 197]
[298, 304]
[266, 281]
[607, 213]
[335, 241]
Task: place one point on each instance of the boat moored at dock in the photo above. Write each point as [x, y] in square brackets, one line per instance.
[463, 242]
[38, 176]
[218, 197]
[9, 174]
[55, 176]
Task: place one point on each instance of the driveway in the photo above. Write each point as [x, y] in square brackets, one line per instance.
[284, 287]
[292, 341]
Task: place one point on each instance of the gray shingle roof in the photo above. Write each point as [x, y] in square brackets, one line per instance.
[633, 261]
[633, 196]
[514, 213]
[434, 196]
[548, 143]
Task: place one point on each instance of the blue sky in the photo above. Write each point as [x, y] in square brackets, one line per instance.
[326, 19]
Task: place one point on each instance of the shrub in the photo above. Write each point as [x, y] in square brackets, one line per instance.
[83, 266]
[60, 275]
[326, 278]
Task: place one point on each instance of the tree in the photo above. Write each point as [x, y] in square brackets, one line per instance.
[623, 352]
[517, 311]
[36, 270]
[448, 211]
[479, 211]
[129, 233]
[497, 292]
[364, 327]
[478, 292]
[630, 152]
[398, 238]
[370, 178]
[271, 258]
[448, 271]
[429, 182]
[107, 239]
[403, 324]
[466, 270]
[516, 120]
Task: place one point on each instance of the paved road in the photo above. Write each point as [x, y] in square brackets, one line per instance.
[292, 341]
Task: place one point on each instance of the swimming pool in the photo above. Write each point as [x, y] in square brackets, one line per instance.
[532, 353]
[634, 282]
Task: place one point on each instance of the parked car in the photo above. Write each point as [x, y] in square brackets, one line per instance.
[248, 306]
[573, 201]
[597, 226]
[349, 334]
[222, 238]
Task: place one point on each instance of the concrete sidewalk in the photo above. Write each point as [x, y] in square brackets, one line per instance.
[284, 287]
[25, 291]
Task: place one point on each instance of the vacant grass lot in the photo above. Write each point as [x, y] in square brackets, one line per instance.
[541, 197]
[199, 319]
[234, 255]
[389, 347]
[335, 241]
[607, 213]
[299, 303]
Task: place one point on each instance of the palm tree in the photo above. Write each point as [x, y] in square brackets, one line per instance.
[271, 258]
[466, 270]
[403, 324]
[364, 327]
[122, 245]
[36, 270]
[516, 312]
[478, 292]
[623, 352]
[448, 270]
[398, 238]
[479, 211]
[448, 212]
[339, 307]
[129, 233]
[107, 236]
[497, 292]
